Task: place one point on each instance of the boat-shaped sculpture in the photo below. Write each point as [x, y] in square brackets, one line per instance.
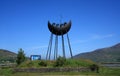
[59, 29]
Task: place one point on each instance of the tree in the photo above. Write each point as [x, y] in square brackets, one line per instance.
[20, 56]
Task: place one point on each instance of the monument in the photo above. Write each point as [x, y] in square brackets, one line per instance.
[58, 30]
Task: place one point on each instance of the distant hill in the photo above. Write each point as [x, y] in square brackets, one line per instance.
[6, 55]
[109, 54]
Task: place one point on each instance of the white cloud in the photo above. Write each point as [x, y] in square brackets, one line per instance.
[97, 36]
[81, 41]
[37, 47]
[94, 37]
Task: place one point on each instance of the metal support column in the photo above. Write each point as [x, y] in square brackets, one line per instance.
[63, 48]
[56, 47]
[49, 47]
[69, 46]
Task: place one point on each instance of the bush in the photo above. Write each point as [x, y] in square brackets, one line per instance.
[94, 67]
[6, 72]
[60, 62]
[30, 64]
[42, 63]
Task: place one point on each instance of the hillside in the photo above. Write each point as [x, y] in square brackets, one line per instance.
[6, 55]
[109, 54]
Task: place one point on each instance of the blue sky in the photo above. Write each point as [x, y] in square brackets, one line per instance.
[23, 24]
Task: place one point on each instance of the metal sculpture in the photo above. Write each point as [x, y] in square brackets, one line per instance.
[58, 30]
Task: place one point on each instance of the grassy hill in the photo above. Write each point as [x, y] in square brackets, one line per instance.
[50, 64]
[109, 54]
[6, 55]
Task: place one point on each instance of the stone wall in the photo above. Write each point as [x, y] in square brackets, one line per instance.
[79, 69]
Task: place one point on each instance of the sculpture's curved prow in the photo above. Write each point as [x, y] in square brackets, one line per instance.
[59, 30]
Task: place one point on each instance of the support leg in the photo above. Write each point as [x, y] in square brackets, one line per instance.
[56, 47]
[69, 46]
[49, 47]
[63, 47]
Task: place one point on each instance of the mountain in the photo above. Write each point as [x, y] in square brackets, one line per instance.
[108, 54]
[6, 55]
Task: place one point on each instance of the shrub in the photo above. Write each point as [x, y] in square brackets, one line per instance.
[60, 62]
[94, 67]
[42, 63]
[30, 64]
[6, 72]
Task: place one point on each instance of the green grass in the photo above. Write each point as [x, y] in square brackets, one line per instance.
[103, 72]
[5, 71]
[110, 71]
[78, 63]
[68, 63]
